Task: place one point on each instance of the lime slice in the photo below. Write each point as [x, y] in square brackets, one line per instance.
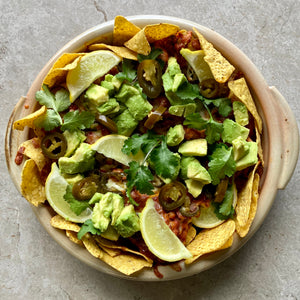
[159, 238]
[111, 145]
[197, 62]
[91, 67]
[55, 189]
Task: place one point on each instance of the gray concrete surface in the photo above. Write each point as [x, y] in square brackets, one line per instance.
[33, 266]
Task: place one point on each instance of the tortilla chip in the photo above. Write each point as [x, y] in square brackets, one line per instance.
[60, 223]
[219, 65]
[259, 147]
[34, 152]
[190, 235]
[29, 120]
[64, 63]
[139, 43]
[210, 240]
[91, 245]
[240, 90]
[126, 263]
[73, 237]
[243, 231]
[31, 185]
[120, 51]
[111, 251]
[123, 31]
[243, 204]
[160, 31]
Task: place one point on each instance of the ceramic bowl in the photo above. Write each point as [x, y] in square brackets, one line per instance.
[280, 141]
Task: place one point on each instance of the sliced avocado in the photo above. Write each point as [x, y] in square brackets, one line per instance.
[96, 94]
[126, 91]
[182, 110]
[74, 139]
[197, 147]
[81, 161]
[109, 107]
[249, 159]
[126, 123]
[175, 135]
[240, 148]
[100, 221]
[138, 107]
[194, 187]
[240, 113]
[232, 130]
[110, 234]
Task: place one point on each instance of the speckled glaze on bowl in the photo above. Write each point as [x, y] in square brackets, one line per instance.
[280, 141]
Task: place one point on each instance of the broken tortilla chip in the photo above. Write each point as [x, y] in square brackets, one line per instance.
[123, 31]
[29, 120]
[73, 237]
[91, 245]
[64, 63]
[243, 204]
[111, 251]
[190, 235]
[34, 151]
[259, 146]
[240, 90]
[219, 65]
[160, 31]
[60, 223]
[139, 43]
[243, 230]
[31, 185]
[119, 50]
[210, 240]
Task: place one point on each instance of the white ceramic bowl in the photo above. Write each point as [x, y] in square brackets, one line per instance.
[280, 141]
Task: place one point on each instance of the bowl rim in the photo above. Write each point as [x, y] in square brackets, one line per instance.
[262, 97]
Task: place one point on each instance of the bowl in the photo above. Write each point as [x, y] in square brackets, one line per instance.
[280, 142]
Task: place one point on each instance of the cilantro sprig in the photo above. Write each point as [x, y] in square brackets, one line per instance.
[86, 227]
[129, 71]
[225, 210]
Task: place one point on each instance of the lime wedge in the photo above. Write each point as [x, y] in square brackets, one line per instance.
[91, 67]
[197, 62]
[55, 189]
[111, 147]
[159, 238]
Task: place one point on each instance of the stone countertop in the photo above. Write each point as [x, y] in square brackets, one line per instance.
[33, 266]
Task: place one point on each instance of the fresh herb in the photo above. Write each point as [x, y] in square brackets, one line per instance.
[188, 91]
[129, 72]
[86, 227]
[223, 104]
[221, 163]
[154, 54]
[225, 209]
[74, 120]
[76, 206]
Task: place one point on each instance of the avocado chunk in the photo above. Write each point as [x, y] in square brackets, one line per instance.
[197, 147]
[249, 159]
[72, 178]
[109, 107]
[240, 148]
[81, 161]
[74, 139]
[232, 130]
[182, 110]
[126, 123]
[110, 234]
[175, 135]
[128, 223]
[112, 83]
[194, 187]
[192, 169]
[96, 94]
[240, 113]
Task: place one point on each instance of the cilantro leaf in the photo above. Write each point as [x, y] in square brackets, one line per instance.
[221, 164]
[129, 72]
[223, 104]
[87, 226]
[155, 52]
[62, 100]
[225, 209]
[188, 91]
[76, 206]
[77, 120]
[45, 97]
[165, 162]
[48, 121]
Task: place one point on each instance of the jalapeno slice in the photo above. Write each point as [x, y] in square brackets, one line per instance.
[172, 195]
[107, 122]
[154, 117]
[189, 209]
[209, 88]
[85, 188]
[149, 75]
[54, 145]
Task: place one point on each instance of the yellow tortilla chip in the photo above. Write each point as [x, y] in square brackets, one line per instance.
[259, 147]
[190, 235]
[73, 237]
[91, 245]
[139, 43]
[34, 152]
[243, 231]
[243, 204]
[240, 90]
[64, 63]
[210, 240]
[111, 251]
[31, 186]
[160, 31]
[119, 50]
[219, 65]
[29, 120]
[126, 263]
[123, 31]
[59, 222]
